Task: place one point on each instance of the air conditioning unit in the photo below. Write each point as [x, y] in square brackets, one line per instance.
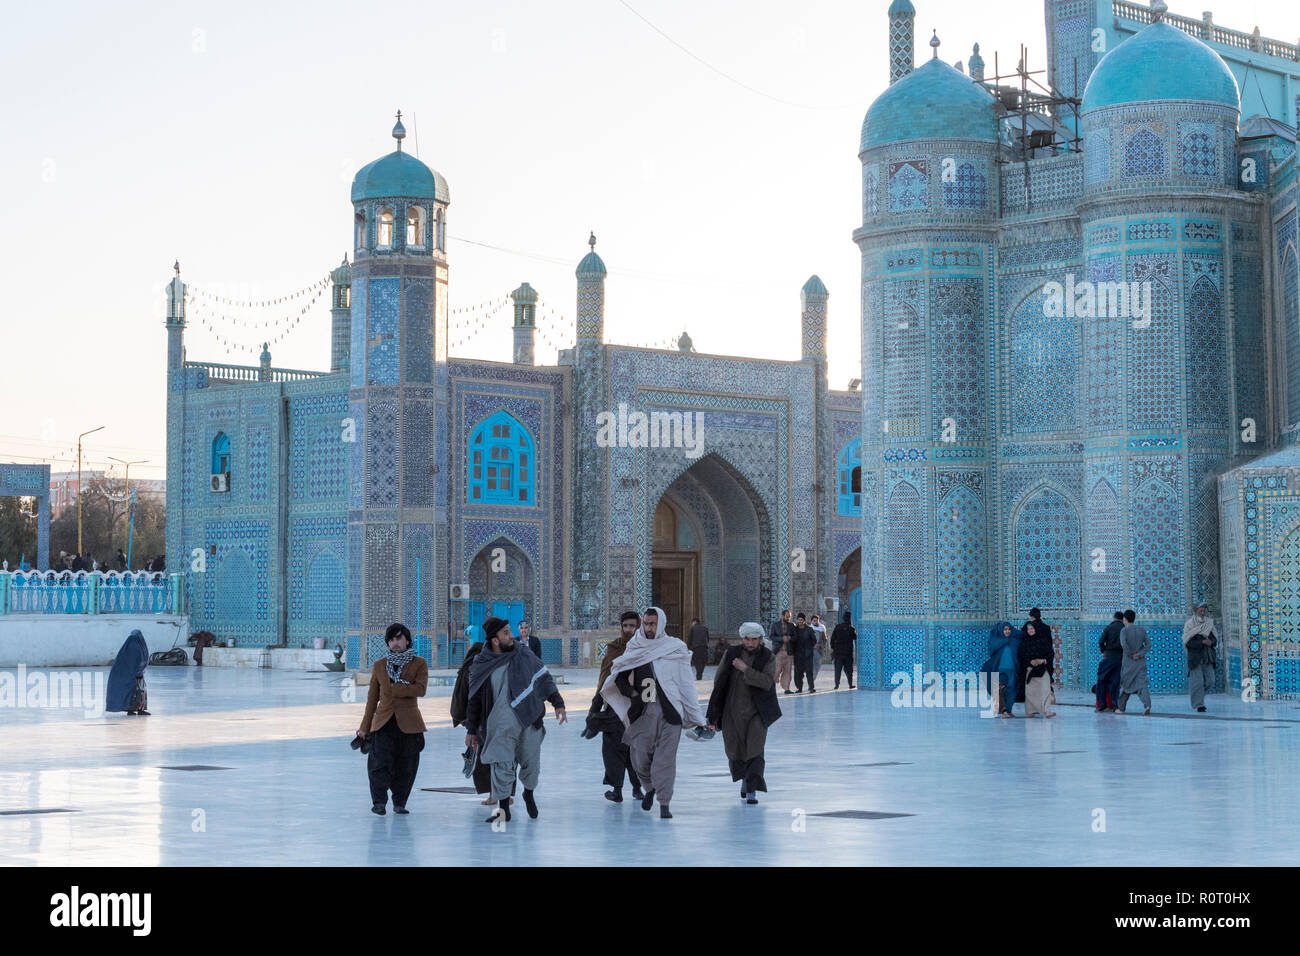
[460, 592]
[221, 482]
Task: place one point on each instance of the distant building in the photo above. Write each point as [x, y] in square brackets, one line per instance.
[63, 488]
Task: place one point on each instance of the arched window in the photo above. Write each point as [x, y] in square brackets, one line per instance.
[850, 474]
[415, 226]
[221, 454]
[361, 230]
[384, 237]
[501, 462]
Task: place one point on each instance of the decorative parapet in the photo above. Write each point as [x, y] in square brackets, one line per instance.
[1206, 29]
[238, 374]
[91, 592]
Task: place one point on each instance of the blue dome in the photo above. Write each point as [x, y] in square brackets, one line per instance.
[934, 101]
[591, 266]
[901, 6]
[1160, 62]
[399, 174]
[815, 286]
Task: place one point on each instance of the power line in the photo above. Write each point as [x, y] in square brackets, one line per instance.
[722, 73]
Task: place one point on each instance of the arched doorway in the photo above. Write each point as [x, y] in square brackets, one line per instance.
[711, 550]
[849, 586]
[501, 584]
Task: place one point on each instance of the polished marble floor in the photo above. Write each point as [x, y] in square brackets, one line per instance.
[922, 786]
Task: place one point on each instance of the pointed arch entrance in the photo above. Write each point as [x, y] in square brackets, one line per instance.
[711, 550]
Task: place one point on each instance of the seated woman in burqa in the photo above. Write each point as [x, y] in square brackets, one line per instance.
[126, 687]
[1003, 661]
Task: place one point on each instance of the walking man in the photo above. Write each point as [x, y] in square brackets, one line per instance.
[802, 650]
[744, 706]
[697, 639]
[1133, 673]
[844, 640]
[1200, 641]
[782, 631]
[1112, 660]
[530, 640]
[601, 719]
[508, 691]
[651, 689]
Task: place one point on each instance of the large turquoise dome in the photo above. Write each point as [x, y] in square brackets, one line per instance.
[1160, 62]
[934, 101]
[399, 174]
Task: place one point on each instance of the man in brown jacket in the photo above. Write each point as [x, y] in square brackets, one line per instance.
[392, 721]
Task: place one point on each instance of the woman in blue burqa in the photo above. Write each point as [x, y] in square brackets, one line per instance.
[1004, 654]
[126, 688]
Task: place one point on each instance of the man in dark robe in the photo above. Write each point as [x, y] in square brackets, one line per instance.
[1112, 660]
[697, 639]
[802, 648]
[601, 719]
[844, 640]
[744, 706]
[508, 692]
[782, 631]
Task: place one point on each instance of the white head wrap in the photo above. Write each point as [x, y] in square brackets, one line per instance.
[752, 629]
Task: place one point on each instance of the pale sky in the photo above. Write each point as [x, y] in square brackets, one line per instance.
[226, 135]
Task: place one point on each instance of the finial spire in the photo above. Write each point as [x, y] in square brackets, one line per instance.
[1158, 9]
[592, 242]
[934, 44]
[399, 131]
[177, 266]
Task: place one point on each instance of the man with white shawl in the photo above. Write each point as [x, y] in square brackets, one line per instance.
[1200, 640]
[651, 687]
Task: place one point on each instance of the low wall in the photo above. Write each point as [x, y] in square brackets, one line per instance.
[83, 640]
[281, 658]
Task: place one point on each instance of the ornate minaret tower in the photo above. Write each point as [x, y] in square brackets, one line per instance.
[176, 384]
[812, 326]
[340, 316]
[591, 462]
[525, 299]
[902, 40]
[396, 483]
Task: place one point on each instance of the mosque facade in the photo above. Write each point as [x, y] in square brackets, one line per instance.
[1080, 374]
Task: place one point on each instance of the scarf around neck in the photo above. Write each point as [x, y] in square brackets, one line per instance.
[395, 663]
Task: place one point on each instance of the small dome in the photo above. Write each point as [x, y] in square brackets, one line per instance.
[934, 101]
[399, 174]
[901, 6]
[341, 275]
[524, 295]
[815, 286]
[592, 265]
[1160, 62]
[684, 343]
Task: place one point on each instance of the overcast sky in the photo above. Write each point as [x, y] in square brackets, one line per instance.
[227, 134]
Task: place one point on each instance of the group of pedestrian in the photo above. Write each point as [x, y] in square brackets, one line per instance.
[1023, 661]
[1124, 648]
[79, 562]
[797, 646]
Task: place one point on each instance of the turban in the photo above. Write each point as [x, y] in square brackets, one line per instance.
[751, 629]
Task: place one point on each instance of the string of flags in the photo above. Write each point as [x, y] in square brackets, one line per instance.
[194, 294]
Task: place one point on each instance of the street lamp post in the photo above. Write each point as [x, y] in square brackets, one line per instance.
[79, 437]
[128, 464]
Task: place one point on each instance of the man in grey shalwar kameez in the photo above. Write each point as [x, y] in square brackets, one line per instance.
[1133, 672]
[507, 695]
[652, 689]
[1199, 641]
[744, 704]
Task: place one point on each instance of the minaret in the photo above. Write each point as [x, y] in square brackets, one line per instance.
[175, 321]
[902, 40]
[590, 462]
[397, 380]
[340, 316]
[525, 299]
[812, 334]
[176, 385]
[975, 65]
